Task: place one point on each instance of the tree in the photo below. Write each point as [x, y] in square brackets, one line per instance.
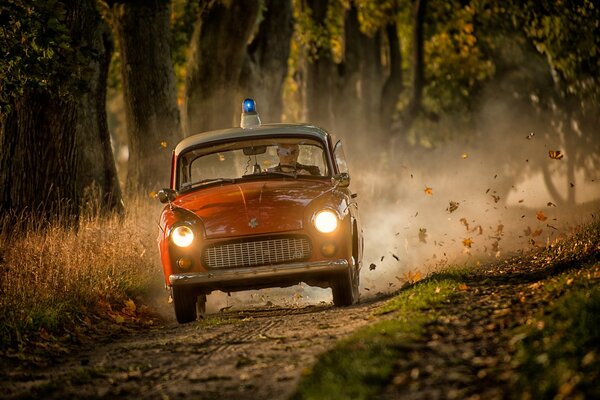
[217, 53]
[56, 157]
[149, 90]
[265, 65]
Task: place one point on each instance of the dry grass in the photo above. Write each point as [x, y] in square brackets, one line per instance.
[52, 279]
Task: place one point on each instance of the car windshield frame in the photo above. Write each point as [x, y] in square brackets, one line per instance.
[187, 158]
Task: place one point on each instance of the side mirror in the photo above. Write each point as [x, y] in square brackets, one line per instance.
[342, 180]
[166, 195]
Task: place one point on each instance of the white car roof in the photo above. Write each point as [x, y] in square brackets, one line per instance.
[262, 130]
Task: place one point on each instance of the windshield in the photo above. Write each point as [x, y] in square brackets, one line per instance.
[246, 159]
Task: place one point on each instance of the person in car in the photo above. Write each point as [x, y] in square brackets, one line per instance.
[288, 161]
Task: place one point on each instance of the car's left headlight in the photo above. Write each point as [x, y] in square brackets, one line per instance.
[182, 236]
[325, 221]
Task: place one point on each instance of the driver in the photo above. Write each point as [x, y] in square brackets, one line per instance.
[288, 161]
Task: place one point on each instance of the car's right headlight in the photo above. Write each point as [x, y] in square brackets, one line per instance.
[325, 221]
[182, 236]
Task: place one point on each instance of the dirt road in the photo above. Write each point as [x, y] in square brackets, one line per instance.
[251, 353]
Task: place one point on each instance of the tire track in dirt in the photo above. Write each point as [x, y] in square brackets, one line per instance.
[252, 353]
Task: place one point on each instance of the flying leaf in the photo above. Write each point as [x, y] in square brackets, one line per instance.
[428, 191]
[555, 154]
[465, 156]
[499, 230]
[467, 242]
[453, 205]
[530, 136]
[152, 194]
[423, 235]
[163, 144]
[540, 216]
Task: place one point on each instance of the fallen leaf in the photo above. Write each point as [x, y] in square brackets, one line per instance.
[396, 257]
[536, 233]
[437, 289]
[522, 200]
[163, 144]
[152, 194]
[463, 287]
[129, 306]
[428, 191]
[572, 184]
[530, 136]
[496, 198]
[382, 257]
[467, 242]
[223, 309]
[465, 156]
[555, 154]
[551, 204]
[540, 216]
[372, 267]
[487, 191]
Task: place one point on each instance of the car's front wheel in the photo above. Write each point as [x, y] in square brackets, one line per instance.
[345, 289]
[184, 300]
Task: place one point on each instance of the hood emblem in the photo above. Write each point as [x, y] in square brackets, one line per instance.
[253, 223]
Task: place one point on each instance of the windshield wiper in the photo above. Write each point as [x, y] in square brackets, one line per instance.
[187, 186]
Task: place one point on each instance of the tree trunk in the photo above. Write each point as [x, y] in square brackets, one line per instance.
[412, 110]
[393, 85]
[320, 73]
[266, 64]
[54, 147]
[149, 90]
[218, 49]
[349, 119]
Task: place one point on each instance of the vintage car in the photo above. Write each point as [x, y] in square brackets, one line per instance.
[262, 205]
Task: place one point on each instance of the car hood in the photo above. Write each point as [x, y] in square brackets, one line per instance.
[252, 208]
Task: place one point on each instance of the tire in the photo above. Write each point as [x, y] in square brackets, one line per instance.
[345, 289]
[201, 306]
[184, 301]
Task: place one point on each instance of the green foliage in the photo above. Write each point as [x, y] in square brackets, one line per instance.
[562, 348]
[37, 51]
[566, 32]
[456, 66]
[184, 15]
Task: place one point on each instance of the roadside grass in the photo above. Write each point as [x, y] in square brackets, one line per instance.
[58, 283]
[361, 364]
[558, 352]
[557, 355]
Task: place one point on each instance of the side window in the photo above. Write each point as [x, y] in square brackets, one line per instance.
[340, 158]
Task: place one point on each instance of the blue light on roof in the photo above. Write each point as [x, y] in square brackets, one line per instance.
[249, 106]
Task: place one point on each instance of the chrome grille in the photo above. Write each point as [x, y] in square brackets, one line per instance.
[258, 252]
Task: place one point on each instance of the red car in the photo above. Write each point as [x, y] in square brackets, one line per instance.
[263, 205]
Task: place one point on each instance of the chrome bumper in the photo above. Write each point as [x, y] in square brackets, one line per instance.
[267, 271]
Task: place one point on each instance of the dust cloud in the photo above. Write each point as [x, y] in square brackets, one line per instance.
[477, 198]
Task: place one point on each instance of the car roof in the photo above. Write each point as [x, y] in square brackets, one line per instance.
[264, 130]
